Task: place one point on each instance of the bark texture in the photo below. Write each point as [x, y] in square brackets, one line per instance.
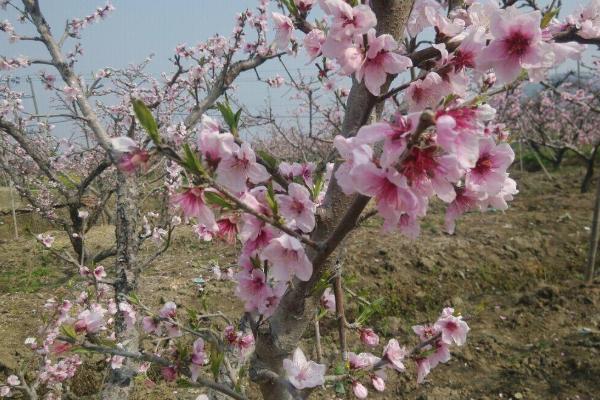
[120, 381]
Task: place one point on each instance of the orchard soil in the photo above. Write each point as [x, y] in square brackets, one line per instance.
[516, 276]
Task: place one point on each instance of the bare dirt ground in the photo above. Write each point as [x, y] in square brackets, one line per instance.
[517, 277]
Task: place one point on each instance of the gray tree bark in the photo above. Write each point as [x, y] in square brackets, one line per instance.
[120, 381]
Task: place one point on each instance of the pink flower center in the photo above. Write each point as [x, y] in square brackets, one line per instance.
[297, 207]
[349, 21]
[463, 59]
[387, 191]
[257, 283]
[484, 165]
[517, 44]
[451, 326]
[419, 164]
[418, 94]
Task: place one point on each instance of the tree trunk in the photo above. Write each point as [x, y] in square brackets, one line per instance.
[558, 158]
[589, 173]
[594, 234]
[120, 381]
[277, 337]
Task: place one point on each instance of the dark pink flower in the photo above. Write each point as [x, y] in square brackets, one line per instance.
[192, 204]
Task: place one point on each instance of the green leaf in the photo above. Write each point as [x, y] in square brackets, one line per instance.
[340, 388]
[183, 383]
[368, 311]
[191, 161]
[291, 6]
[79, 350]
[68, 331]
[322, 284]
[133, 298]
[268, 159]
[318, 185]
[271, 199]
[216, 358]
[216, 199]
[340, 369]
[547, 18]
[322, 313]
[227, 113]
[146, 119]
[238, 116]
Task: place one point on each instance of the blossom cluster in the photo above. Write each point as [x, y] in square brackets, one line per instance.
[434, 348]
[76, 25]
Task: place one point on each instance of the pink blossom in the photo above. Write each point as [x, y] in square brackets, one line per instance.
[271, 302]
[516, 44]
[388, 187]
[304, 170]
[71, 93]
[369, 337]
[255, 235]
[297, 207]
[131, 156]
[198, 358]
[349, 21]
[423, 369]
[130, 162]
[455, 139]
[424, 93]
[90, 320]
[203, 232]
[150, 325]
[169, 373]
[469, 49]
[303, 373]
[287, 257]
[235, 170]
[354, 153]
[214, 145]
[252, 288]
[276, 81]
[13, 380]
[228, 228]
[500, 200]
[441, 354]
[116, 362]
[328, 300]
[380, 60]
[313, 42]
[99, 272]
[168, 311]
[284, 28]
[359, 390]
[378, 383]
[454, 330]
[192, 204]
[393, 133]
[395, 354]
[489, 173]
[129, 314]
[362, 360]
[304, 6]
[429, 172]
[46, 239]
[465, 200]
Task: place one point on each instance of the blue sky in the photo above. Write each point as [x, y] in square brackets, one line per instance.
[139, 28]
